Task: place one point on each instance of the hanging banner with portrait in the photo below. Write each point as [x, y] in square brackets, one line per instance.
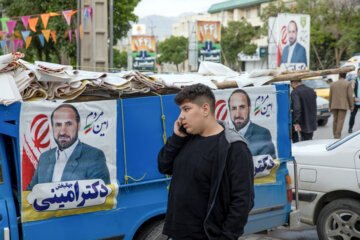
[208, 38]
[293, 45]
[253, 113]
[67, 164]
[143, 52]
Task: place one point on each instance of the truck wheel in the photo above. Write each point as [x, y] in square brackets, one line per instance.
[152, 231]
[339, 220]
[322, 122]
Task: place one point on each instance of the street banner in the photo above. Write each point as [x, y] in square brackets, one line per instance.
[143, 52]
[293, 45]
[208, 38]
[256, 121]
[68, 158]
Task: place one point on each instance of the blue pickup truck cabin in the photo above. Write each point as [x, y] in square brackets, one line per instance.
[130, 132]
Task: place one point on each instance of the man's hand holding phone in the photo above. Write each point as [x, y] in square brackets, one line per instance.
[179, 129]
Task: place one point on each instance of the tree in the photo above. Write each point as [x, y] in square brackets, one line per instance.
[237, 38]
[123, 14]
[120, 58]
[173, 50]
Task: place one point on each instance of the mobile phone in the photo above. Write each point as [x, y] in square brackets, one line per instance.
[182, 129]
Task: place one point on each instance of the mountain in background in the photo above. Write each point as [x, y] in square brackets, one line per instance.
[161, 26]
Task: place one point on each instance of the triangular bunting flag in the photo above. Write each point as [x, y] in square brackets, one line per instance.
[53, 35]
[46, 34]
[45, 18]
[25, 20]
[70, 31]
[3, 34]
[86, 16]
[21, 43]
[25, 34]
[4, 26]
[28, 41]
[16, 42]
[41, 38]
[65, 13]
[53, 14]
[80, 30]
[8, 42]
[76, 35]
[2, 44]
[11, 26]
[90, 10]
[17, 34]
[71, 13]
[32, 23]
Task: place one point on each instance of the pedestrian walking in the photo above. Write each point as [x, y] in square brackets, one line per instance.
[211, 191]
[355, 85]
[303, 105]
[340, 100]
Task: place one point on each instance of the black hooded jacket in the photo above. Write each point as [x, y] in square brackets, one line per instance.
[232, 193]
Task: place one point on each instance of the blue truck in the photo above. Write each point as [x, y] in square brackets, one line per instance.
[137, 195]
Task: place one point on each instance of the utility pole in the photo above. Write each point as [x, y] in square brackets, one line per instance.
[78, 47]
[111, 33]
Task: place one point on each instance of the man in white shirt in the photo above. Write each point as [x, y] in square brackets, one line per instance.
[72, 159]
[258, 137]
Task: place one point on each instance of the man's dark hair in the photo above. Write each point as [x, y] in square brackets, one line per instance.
[292, 21]
[198, 94]
[65, 105]
[342, 75]
[242, 92]
[296, 81]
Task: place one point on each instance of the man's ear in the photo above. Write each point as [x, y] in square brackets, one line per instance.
[206, 109]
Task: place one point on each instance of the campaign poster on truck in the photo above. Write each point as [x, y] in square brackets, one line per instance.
[68, 158]
[143, 52]
[293, 48]
[253, 113]
[208, 38]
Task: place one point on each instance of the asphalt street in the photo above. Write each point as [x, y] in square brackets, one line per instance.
[305, 232]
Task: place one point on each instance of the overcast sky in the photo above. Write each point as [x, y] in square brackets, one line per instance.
[172, 8]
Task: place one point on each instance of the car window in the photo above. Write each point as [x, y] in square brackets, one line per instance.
[315, 83]
[342, 141]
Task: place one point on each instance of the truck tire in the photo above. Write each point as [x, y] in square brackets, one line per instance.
[152, 231]
[340, 219]
[322, 122]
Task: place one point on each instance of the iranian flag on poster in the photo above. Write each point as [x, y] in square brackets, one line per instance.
[35, 140]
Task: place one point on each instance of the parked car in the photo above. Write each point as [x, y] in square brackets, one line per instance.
[321, 87]
[328, 174]
[323, 112]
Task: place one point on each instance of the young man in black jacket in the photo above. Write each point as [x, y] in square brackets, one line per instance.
[211, 191]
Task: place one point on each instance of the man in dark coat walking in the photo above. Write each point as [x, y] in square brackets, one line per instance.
[303, 105]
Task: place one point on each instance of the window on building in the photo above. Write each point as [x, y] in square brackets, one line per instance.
[248, 13]
[258, 11]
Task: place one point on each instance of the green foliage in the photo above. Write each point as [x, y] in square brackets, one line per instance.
[272, 10]
[123, 14]
[120, 59]
[237, 38]
[173, 50]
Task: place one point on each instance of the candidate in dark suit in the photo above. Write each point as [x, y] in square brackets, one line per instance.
[298, 52]
[72, 159]
[258, 138]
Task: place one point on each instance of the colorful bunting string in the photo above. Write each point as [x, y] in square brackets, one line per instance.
[25, 34]
[46, 34]
[68, 18]
[4, 26]
[28, 41]
[53, 35]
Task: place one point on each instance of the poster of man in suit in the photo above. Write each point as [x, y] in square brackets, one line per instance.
[65, 152]
[293, 42]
